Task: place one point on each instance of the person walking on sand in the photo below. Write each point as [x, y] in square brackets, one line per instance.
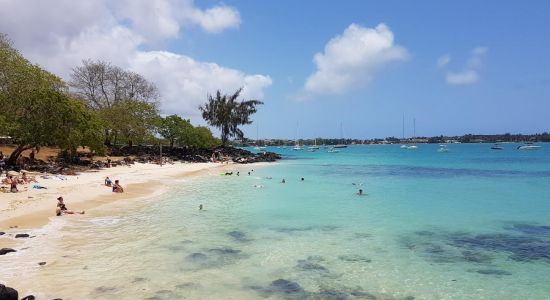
[62, 208]
[117, 188]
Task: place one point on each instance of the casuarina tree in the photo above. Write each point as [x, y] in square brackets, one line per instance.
[227, 113]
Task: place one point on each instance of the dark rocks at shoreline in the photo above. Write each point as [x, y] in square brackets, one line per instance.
[7, 293]
[2, 233]
[21, 235]
[5, 251]
[151, 154]
[42, 263]
[29, 297]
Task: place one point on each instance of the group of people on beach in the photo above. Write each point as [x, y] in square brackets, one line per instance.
[13, 181]
[117, 188]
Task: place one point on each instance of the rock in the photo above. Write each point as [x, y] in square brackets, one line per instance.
[29, 297]
[287, 287]
[2, 233]
[42, 263]
[21, 235]
[7, 293]
[4, 251]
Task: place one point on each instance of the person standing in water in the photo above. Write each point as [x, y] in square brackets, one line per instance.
[360, 193]
[200, 206]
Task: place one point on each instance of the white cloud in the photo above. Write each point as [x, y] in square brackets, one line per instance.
[185, 82]
[462, 78]
[351, 59]
[443, 60]
[216, 19]
[471, 72]
[59, 34]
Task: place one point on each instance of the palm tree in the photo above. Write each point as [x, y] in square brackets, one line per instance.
[227, 114]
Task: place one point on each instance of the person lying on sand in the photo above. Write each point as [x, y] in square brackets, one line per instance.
[117, 188]
[62, 208]
[108, 181]
[28, 179]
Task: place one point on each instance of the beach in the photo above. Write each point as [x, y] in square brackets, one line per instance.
[31, 209]
[469, 223]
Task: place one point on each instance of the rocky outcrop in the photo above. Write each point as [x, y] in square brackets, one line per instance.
[7, 293]
[21, 235]
[5, 251]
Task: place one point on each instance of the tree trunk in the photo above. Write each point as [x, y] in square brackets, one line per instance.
[12, 160]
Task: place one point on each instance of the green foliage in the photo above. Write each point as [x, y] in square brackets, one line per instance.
[201, 137]
[227, 114]
[175, 129]
[131, 121]
[37, 111]
[180, 132]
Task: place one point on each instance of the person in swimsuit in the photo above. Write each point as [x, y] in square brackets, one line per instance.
[13, 184]
[62, 208]
[108, 181]
[117, 188]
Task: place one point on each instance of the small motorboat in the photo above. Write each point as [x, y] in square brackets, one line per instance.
[497, 147]
[529, 147]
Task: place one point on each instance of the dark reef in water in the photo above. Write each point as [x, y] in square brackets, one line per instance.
[238, 236]
[354, 258]
[521, 242]
[311, 264]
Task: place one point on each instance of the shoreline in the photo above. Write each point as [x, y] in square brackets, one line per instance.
[31, 209]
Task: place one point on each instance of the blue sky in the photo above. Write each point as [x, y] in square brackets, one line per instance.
[456, 66]
[279, 38]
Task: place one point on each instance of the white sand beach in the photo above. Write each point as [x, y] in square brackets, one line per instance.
[33, 208]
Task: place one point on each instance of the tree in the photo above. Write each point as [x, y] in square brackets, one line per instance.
[202, 137]
[103, 85]
[108, 90]
[130, 120]
[36, 110]
[174, 128]
[227, 114]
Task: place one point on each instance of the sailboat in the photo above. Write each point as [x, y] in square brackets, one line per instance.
[296, 142]
[403, 133]
[342, 137]
[258, 147]
[413, 147]
[314, 147]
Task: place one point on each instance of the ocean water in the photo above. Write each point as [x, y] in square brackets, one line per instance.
[471, 223]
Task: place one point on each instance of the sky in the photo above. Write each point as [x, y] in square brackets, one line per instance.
[323, 68]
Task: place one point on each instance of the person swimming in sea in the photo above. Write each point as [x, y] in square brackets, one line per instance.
[283, 181]
[360, 192]
[108, 181]
[302, 179]
[200, 206]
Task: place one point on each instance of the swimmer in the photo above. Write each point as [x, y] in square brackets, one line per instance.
[302, 179]
[360, 193]
[258, 186]
[200, 206]
[237, 173]
[283, 181]
[359, 184]
[248, 173]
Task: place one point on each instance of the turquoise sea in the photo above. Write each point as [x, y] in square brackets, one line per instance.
[471, 223]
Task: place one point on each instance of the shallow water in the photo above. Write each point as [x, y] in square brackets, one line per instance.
[472, 223]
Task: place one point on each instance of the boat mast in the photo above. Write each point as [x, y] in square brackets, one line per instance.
[403, 132]
[414, 127]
